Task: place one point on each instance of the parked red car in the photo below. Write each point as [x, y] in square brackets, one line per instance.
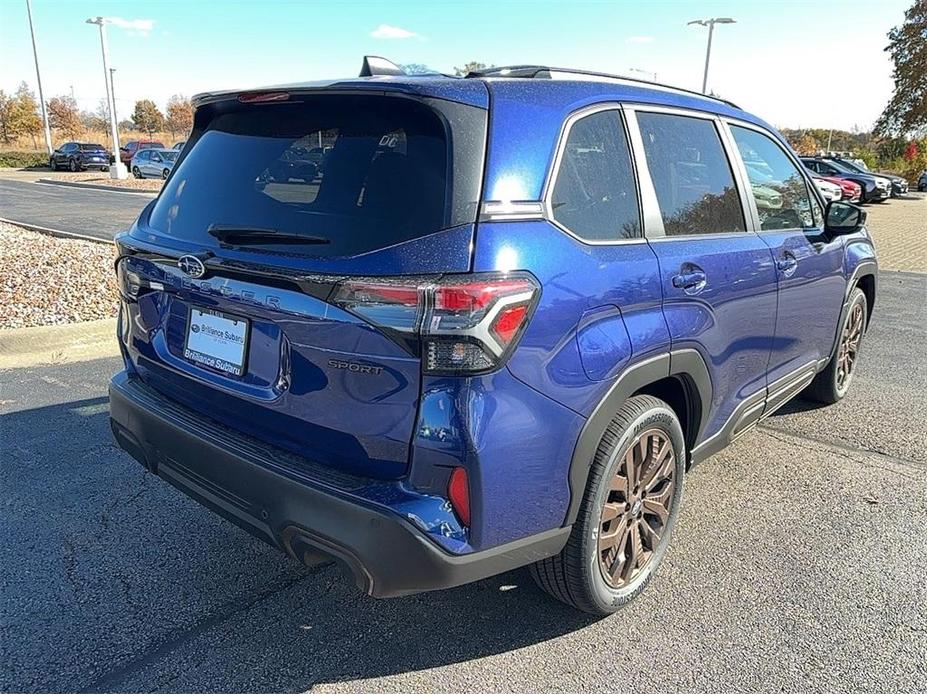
[127, 151]
[852, 192]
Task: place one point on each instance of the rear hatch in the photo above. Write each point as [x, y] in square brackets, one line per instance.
[94, 154]
[268, 286]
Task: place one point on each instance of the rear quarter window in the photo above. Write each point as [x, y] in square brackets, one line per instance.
[594, 194]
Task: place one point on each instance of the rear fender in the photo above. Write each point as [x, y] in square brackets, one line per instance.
[683, 362]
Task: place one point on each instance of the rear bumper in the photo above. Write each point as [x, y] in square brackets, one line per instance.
[295, 512]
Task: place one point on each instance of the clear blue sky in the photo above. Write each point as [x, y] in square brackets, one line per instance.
[797, 64]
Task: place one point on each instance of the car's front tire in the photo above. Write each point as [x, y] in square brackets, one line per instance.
[136, 172]
[833, 382]
[627, 515]
[165, 173]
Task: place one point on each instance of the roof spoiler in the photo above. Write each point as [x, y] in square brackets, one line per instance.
[375, 65]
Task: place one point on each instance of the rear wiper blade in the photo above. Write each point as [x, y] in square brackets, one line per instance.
[244, 235]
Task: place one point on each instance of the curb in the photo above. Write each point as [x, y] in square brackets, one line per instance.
[58, 344]
[97, 186]
[56, 232]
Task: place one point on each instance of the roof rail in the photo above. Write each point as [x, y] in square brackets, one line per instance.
[547, 72]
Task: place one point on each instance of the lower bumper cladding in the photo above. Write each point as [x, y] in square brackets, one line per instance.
[386, 555]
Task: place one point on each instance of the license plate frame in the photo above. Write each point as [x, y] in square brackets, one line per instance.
[213, 361]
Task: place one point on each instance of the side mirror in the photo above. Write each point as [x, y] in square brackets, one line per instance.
[843, 218]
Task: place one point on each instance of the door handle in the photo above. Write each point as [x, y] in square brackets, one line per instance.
[787, 264]
[690, 280]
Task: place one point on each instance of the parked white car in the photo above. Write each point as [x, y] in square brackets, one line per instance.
[830, 191]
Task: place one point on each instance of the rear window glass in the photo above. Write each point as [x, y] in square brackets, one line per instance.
[360, 172]
[90, 148]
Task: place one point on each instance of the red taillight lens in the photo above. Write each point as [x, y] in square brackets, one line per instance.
[462, 327]
[369, 293]
[458, 492]
[508, 323]
[473, 296]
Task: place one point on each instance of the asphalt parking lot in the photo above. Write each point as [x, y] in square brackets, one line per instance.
[95, 213]
[799, 563]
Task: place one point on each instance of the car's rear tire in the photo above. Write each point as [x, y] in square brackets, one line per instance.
[833, 382]
[136, 172]
[627, 514]
[73, 165]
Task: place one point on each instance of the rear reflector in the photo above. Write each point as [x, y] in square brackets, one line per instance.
[458, 492]
[460, 326]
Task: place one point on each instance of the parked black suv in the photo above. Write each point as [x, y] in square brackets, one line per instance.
[78, 156]
[899, 183]
[875, 188]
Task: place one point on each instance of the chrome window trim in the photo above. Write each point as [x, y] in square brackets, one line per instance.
[796, 162]
[552, 171]
[641, 155]
[510, 211]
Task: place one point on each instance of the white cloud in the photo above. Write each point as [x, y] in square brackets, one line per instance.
[388, 31]
[639, 39]
[135, 27]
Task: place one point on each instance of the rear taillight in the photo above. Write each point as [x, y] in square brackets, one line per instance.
[459, 326]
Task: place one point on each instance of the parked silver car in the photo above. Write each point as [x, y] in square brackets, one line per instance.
[153, 163]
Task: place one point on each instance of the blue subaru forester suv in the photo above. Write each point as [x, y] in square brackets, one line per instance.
[494, 326]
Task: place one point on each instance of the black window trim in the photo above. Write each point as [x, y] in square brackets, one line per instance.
[554, 168]
[812, 189]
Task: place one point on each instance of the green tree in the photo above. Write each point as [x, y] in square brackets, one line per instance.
[907, 110]
[179, 115]
[64, 116]
[472, 66]
[5, 104]
[417, 69]
[23, 115]
[147, 117]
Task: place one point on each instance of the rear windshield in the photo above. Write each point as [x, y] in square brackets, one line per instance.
[90, 148]
[360, 172]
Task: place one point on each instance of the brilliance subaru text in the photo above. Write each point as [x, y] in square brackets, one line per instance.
[497, 332]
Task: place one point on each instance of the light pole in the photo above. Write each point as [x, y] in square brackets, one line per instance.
[710, 23]
[112, 87]
[38, 78]
[118, 169]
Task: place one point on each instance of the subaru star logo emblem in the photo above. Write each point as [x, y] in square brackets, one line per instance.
[191, 266]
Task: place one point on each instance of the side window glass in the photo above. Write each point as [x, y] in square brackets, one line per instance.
[595, 193]
[691, 175]
[780, 191]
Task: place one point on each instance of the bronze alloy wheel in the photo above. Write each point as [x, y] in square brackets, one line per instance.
[637, 509]
[849, 345]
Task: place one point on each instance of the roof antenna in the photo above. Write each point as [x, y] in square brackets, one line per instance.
[375, 65]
